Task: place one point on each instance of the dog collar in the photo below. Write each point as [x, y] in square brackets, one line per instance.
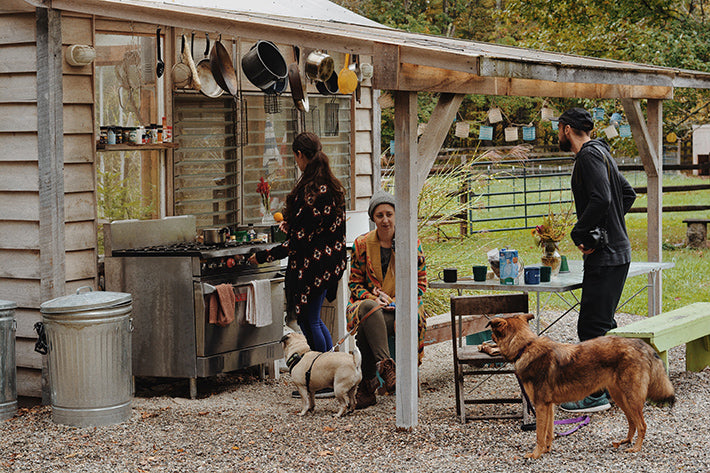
[520, 353]
[293, 361]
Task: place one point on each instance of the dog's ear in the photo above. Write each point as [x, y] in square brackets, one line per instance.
[496, 323]
[528, 317]
[284, 338]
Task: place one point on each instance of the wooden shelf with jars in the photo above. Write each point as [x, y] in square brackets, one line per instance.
[134, 147]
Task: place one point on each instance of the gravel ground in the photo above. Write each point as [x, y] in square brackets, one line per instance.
[240, 423]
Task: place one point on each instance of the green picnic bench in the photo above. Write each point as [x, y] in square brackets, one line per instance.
[689, 325]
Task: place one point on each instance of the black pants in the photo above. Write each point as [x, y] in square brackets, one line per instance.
[601, 292]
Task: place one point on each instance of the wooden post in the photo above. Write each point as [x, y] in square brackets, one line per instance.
[648, 138]
[50, 133]
[405, 171]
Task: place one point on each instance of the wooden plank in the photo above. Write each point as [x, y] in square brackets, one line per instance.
[29, 382]
[363, 120]
[386, 62]
[19, 235]
[79, 177]
[18, 58]
[19, 176]
[78, 89]
[18, 146]
[430, 79]
[641, 134]
[80, 206]
[80, 235]
[52, 113]
[672, 208]
[20, 264]
[18, 117]
[78, 119]
[22, 206]
[72, 286]
[405, 132]
[363, 186]
[18, 87]
[365, 95]
[435, 133]
[76, 30]
[26, 319]
[25, 292]
[363, 164]
[14, 6]
[363, 142]
[79, 148]
[25, 353]
[17, 28]
[361, 203]
[490, 304]
[81, 265]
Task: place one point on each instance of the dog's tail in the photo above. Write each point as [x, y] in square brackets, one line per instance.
[660, 389]
[357, 357]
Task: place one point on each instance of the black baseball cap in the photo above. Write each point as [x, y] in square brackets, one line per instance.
[577, 118]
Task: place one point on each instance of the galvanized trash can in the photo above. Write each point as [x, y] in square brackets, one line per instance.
[89, 357]
[8, 370]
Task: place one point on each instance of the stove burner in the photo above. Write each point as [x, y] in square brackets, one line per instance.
[186, 248]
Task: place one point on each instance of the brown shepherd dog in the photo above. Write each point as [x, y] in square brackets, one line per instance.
[553, 372]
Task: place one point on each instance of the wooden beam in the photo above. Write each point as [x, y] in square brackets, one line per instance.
[386, 61]
[642, 136]
[413, 77]
[654, 218]
[435, 133]
[405, 170]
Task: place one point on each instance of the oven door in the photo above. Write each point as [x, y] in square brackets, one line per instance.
[214, 340]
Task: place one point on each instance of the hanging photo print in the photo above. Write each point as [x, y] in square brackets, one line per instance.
[511, 133]
[611, 132]
[485, 133]
[462, 129]
[598, 113]
[494, 115]
[625, 130]
[529, 133]
[555, 125]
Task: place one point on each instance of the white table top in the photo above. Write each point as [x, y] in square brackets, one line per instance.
[561, 283]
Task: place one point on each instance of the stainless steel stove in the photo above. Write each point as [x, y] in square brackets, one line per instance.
[169, 281]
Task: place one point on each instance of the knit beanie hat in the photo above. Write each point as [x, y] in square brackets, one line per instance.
[379, 197]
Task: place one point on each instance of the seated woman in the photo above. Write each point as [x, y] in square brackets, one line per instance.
[372, 296]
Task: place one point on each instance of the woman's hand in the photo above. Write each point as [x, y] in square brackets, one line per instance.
[283, 226]
[382, 297]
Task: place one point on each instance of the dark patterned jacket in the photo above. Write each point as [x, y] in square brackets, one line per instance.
[315, 247]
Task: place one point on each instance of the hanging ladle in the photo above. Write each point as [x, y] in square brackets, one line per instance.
[160, 67]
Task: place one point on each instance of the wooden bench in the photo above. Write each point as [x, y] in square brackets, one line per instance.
[689, 325]
[697, 232]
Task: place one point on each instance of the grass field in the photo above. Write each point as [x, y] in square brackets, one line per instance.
[688, 282]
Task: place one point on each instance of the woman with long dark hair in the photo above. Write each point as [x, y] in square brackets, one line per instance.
[314, 222]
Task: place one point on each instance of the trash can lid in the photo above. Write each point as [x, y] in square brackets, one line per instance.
[83, 301]
[7, 305]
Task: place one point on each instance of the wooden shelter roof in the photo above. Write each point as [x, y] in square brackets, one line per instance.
[412, 61]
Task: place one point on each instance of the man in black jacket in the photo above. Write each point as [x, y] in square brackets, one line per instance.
[602, 197]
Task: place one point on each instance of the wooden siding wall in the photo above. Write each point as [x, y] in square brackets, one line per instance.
[23, 267]
[367, 144]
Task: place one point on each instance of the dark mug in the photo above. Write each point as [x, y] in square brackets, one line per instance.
[449, 275]
[545, 273]
[480, 272]
[532, 275]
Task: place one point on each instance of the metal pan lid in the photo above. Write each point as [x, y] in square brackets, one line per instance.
[7, 305]
[85, 301]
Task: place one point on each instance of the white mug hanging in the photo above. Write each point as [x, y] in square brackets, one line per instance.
[462, 129]
[511, 133]
[494, 115]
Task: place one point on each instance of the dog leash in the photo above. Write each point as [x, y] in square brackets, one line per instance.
[581, 421]
[369, 313]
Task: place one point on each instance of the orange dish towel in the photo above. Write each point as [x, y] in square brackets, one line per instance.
[222, 304]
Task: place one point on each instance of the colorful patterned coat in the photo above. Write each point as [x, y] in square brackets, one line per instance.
[366, 274]
[315, 247]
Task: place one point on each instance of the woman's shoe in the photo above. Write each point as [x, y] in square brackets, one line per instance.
[388, 372]
[365, 396]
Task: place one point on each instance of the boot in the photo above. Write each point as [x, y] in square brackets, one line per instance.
[365, 396]
[387, 370]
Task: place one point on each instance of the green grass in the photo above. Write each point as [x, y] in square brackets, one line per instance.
[686, 283]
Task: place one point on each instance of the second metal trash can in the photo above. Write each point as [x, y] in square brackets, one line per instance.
[89, 357]
[8, 370]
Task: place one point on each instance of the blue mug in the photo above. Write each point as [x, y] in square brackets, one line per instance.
[532, 274]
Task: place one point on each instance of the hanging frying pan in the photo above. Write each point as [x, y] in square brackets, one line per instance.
[181, 71]
[210, 87]
[298, 91]
[194, 78]
[222, 68]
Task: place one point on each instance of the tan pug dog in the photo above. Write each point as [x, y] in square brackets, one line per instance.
[335, 369]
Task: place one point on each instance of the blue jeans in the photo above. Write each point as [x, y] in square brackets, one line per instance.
[313, 328]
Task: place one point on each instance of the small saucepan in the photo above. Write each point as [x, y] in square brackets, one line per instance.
[210, 87]
[330, 86]
[215, 236]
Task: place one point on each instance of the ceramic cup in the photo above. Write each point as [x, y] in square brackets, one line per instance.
[545, 273]
[449, 275]
[480, 272]
[532, 275]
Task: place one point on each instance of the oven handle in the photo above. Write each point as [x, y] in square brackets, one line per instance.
[208, 289]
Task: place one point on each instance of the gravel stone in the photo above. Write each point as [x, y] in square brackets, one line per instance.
[241, 423]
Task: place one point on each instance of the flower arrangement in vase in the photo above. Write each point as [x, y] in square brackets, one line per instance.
[547, 236]
[263, 188]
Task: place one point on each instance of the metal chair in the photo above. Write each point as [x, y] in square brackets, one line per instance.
[468, 316]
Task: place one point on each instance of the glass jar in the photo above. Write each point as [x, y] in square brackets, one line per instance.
[551, 256]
